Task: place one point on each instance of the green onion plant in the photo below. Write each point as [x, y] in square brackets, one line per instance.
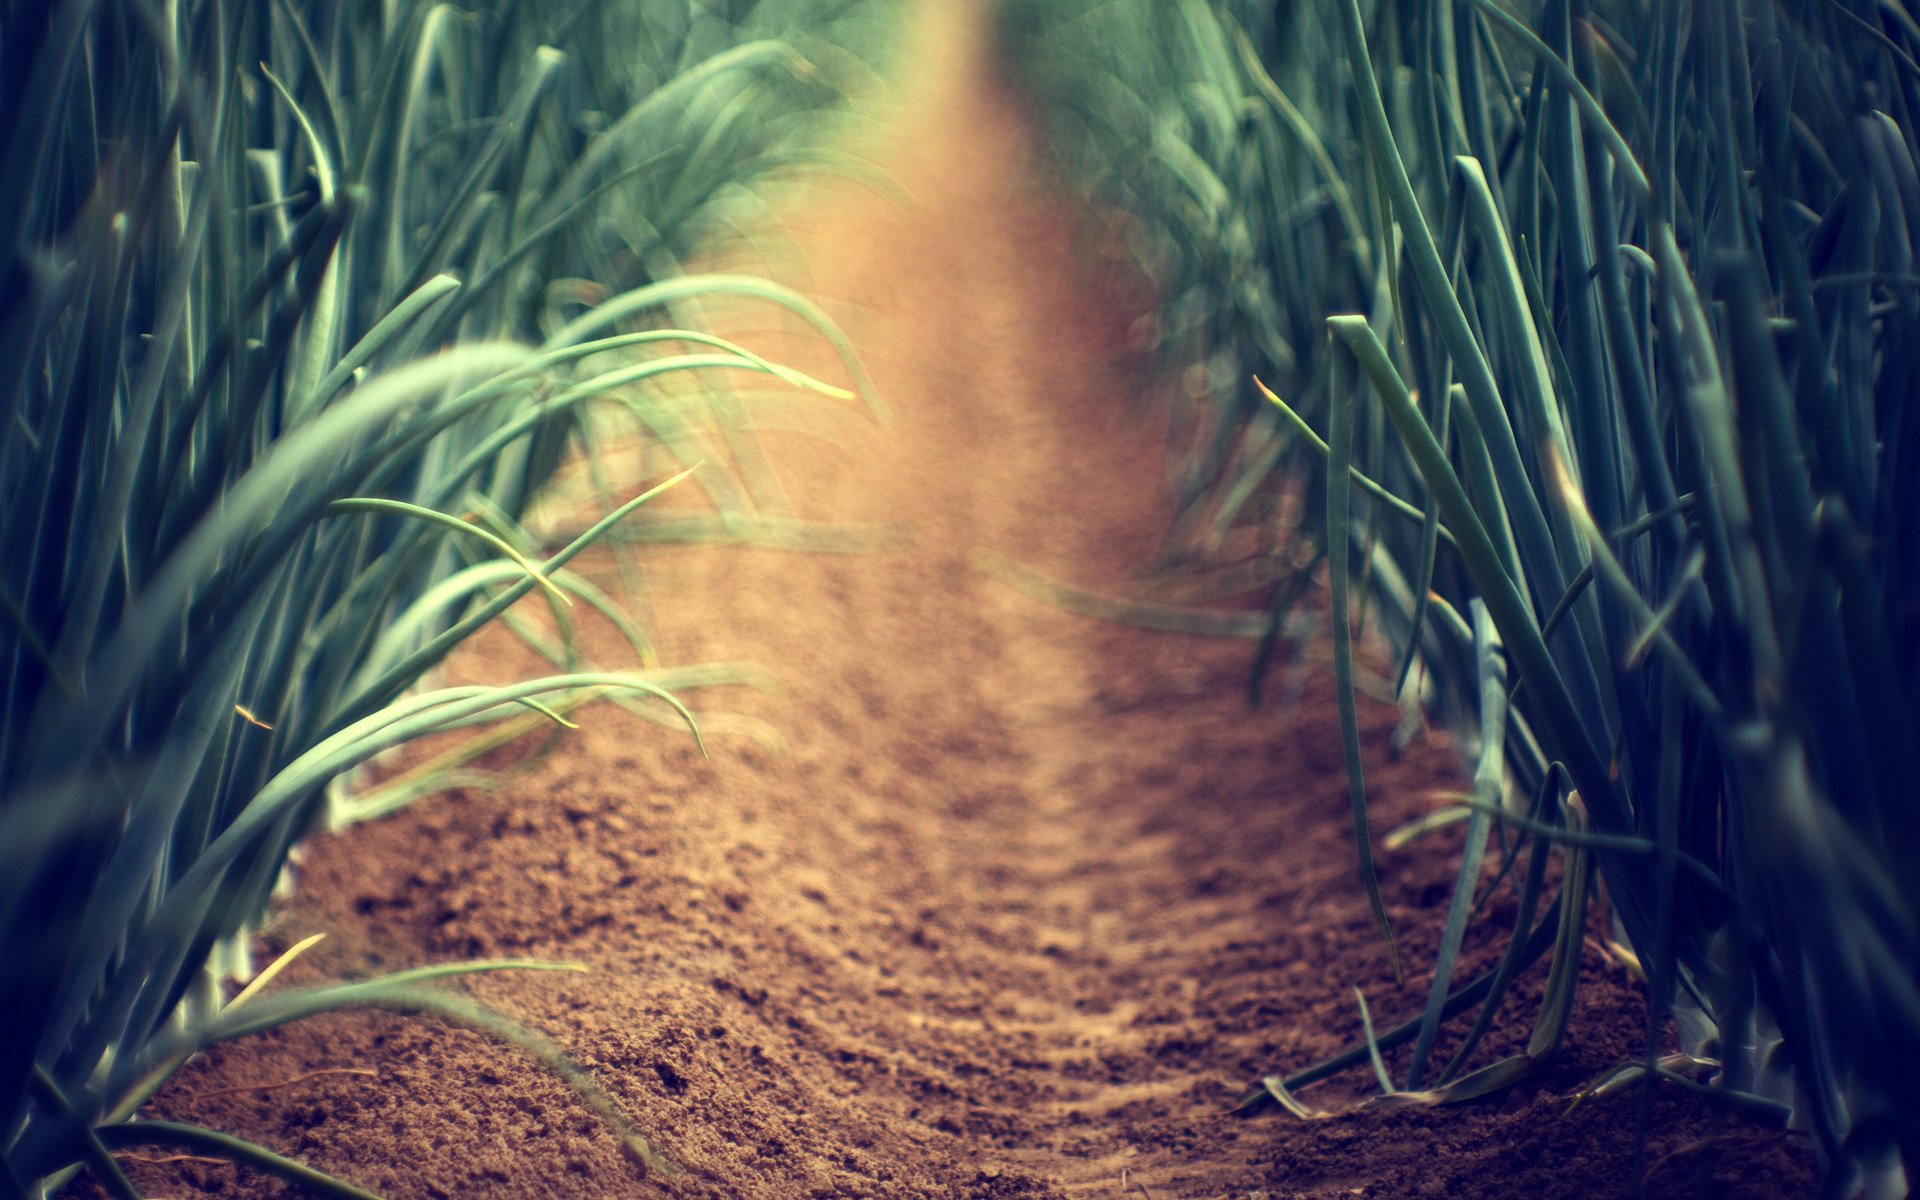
[293, 332]
[1589, 327]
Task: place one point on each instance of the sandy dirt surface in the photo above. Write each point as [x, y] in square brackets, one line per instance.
[1025, 901]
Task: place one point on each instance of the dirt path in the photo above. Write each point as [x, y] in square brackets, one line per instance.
[1027, 899]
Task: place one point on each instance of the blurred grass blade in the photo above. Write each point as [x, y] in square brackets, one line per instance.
[1339, 567]
[192, 1139]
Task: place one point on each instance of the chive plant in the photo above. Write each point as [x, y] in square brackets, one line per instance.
[1592, 328]
[288, 348]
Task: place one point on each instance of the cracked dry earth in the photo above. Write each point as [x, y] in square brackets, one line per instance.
[1018, 902]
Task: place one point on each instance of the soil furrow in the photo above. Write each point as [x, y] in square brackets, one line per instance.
[1026, 900]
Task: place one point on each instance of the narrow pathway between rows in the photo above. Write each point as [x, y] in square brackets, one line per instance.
[1025, 899]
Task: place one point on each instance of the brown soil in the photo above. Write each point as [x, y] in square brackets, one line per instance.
[1028, 899]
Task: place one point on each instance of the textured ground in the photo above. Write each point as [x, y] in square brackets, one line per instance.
[1026, 899]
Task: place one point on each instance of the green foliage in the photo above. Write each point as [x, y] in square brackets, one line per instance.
[293, 334]
[1637, 338]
